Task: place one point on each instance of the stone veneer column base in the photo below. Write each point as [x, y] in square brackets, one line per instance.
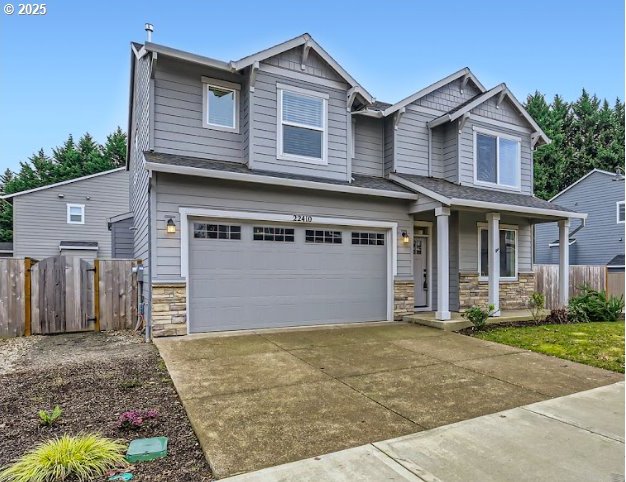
[403, 299]
[169, 309]
[514, 295]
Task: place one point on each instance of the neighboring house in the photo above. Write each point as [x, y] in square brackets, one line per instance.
[275, 191]
[6, 249]
[600, 241]
[69, 217]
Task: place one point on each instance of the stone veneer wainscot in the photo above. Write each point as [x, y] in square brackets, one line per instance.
[514, 295]
[403, 299]
[169, 309]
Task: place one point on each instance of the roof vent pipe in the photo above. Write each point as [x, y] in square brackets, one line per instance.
[149, 29]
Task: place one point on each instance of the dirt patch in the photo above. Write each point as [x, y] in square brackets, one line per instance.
[471, 331]
[94, 378]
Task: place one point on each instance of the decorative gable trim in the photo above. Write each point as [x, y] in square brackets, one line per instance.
[465, 74]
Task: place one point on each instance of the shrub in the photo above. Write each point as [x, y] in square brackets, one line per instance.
[536, 305]
[135, 419]
[478, 316]
[84, 457]
[592, 305]
[558, 316]
[49, 417]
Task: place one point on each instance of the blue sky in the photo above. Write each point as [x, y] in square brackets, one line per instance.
[67, 72]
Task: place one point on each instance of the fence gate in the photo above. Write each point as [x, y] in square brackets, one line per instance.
[61, 295]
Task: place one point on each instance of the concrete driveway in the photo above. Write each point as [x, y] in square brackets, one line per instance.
[265, 398]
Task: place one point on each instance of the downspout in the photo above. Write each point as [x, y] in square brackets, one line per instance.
[430, 151]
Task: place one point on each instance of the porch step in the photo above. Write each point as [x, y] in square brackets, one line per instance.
[458, 322]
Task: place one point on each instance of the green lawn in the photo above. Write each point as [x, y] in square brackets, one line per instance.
[597, 344]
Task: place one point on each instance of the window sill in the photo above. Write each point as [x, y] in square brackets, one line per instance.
[214, 127]
[302, 159]
[484, 279]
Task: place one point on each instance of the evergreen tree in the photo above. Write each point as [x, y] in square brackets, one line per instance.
[68, 161]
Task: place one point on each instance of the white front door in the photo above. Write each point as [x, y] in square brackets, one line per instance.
[420, 270]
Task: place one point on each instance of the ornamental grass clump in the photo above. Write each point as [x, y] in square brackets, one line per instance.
[83, 457]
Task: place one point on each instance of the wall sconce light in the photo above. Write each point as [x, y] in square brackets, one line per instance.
[405, 237]
[171, 226]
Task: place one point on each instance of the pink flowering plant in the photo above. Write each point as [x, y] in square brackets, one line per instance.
[135, 419]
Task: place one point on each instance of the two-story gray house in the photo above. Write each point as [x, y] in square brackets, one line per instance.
[72, 217]
[276, 191]
[600, 239]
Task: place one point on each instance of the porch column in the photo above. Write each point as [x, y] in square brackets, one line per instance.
[493, 234]
[443, 264]
[564, 262]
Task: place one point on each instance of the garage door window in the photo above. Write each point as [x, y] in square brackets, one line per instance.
[216, 231]
[326, 237]
[371, 239]
[264, 233]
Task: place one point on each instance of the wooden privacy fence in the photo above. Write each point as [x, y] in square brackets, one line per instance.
[65, 294]
[547, 280]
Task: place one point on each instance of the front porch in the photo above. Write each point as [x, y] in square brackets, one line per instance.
[457, 322]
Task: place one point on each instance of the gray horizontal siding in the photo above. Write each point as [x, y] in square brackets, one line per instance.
[602, 238]
[176, 191]
[411, 143]
[450, 153]
[122, 239]
[368, 159]
[40, 218]
[388, 147]
[178, 114]
[468, 241]
[264, 125]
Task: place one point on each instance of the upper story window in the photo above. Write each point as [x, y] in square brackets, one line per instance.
[75, 214]
[497, 159]
[620, 212]
[302, 125]
[220, 109]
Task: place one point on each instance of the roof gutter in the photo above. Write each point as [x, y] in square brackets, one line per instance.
[275, 181]
[553, 213]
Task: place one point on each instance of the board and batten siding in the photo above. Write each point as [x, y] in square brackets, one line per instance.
[264, 128]
[178, 107]
[40, 218]
[368, 155]
[602, 238]
[185, 191]
[468, 241]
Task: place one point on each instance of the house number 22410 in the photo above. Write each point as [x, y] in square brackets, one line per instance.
[301, 218]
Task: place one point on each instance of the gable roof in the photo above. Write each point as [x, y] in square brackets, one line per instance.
[56, 184]
[471, 104]
[608, 173]
[433, 87]
[452, 194]
[305, 40]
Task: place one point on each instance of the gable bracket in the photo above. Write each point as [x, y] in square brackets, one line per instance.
[153, 64]
[397, 118]
[462, 121]
[534, 138]
[500, 98]
[352, 93]
[253, 71]
[305, 53]
[466, 78]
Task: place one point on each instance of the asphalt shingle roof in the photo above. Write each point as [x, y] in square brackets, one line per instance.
[79, 244]
[617, 261]
[451, 190]
[369, 182]
[6, 246]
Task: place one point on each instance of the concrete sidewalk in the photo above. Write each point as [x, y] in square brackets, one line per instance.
[578, 437]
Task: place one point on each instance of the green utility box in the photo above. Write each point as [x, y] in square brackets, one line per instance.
[146, 449]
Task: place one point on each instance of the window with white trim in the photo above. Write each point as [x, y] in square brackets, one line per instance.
[220, 110]
[497, 159]
[620, 212]
[75, 214]
[302, 125]
[508, 253]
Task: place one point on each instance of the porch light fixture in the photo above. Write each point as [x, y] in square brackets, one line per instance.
[171, 226]
[405, 237]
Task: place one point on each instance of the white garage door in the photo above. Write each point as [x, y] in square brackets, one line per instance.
[257, 275]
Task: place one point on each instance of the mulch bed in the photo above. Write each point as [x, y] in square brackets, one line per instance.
[93, 393]
[470, 331]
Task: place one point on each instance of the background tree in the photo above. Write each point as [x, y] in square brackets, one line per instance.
[586, 134]
[68, 161]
